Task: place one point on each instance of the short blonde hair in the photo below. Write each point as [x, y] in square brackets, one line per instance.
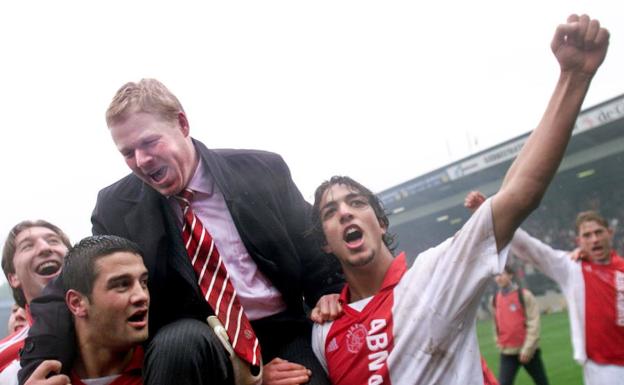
[148, 95]
[590, 216]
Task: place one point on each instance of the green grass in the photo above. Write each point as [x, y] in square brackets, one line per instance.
[556, 346]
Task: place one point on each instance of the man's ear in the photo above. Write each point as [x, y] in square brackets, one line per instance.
[384, 228]
[77, 303]
[184, 124]
[14, 281]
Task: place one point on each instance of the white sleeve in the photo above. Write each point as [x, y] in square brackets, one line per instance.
[319, 334]
[450, 278]
[556, 264]
[9, 375]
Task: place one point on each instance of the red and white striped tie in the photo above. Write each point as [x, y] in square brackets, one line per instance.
[214, 282]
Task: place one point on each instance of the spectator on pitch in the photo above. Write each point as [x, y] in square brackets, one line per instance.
[31, 257]
[417, 325]
[593, 288]
[105, 283]
[199, 213]
[517, 330]
[17, 319]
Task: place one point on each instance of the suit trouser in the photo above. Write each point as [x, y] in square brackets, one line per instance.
[509, 365]
[188, 352]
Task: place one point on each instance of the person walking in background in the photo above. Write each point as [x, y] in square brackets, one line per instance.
[517, 330]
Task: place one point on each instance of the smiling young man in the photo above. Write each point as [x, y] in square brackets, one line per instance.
[105, 284]
[594, 291]
[417, 325]
[31, 257]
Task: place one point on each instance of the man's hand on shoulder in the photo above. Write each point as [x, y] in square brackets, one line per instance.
[45, 369]
[327, 308]
[282, 372]
[474, 200]
[578, 255]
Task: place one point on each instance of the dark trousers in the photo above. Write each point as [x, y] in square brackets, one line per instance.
[509, 365]
[188, 352]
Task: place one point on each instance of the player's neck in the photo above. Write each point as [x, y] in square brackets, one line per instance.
[366, 281]
[96, 361]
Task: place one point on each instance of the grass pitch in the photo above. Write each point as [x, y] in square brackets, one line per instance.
[556, 346]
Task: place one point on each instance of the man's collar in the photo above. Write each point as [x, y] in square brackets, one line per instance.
[202, 181]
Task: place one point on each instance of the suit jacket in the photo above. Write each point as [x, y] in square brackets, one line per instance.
[270, 215]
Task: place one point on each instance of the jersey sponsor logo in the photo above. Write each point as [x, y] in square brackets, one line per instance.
[377, 344]
[356, 335]
[619, 287]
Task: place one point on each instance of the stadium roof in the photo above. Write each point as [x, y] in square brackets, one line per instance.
[597, 135]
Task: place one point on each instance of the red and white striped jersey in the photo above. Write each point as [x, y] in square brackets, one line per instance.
[595, 299]
[420, 327]
[9, 355]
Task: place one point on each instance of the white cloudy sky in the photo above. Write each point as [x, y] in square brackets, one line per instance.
[380, 90]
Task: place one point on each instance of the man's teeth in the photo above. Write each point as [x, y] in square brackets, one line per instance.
[352, 234]
[48, 268]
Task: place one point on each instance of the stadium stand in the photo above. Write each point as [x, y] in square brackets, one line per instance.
[428, 209]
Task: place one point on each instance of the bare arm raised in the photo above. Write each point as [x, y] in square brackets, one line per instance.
[580, 46]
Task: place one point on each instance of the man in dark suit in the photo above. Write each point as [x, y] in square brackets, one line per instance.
[258, 219]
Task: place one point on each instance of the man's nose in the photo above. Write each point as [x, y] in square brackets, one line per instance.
[142, 157]
[43, 247]
[140, 294]
[344, 210]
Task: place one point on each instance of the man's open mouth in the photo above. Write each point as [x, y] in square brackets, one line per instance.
[352, 235]
[138, 318]
[158, 175]
[48, 268]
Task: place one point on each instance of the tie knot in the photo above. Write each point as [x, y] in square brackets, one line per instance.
[185, 196]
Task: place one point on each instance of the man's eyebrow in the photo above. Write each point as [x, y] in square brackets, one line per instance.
[116, 279]
[355, 195]
[28, 238]
[328, 204]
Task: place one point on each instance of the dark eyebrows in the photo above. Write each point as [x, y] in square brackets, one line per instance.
[114, 281]
[350, 196]
[327, 205]
[354, 195]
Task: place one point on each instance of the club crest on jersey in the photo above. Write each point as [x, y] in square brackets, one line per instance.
[356, 337]
[333, 345]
